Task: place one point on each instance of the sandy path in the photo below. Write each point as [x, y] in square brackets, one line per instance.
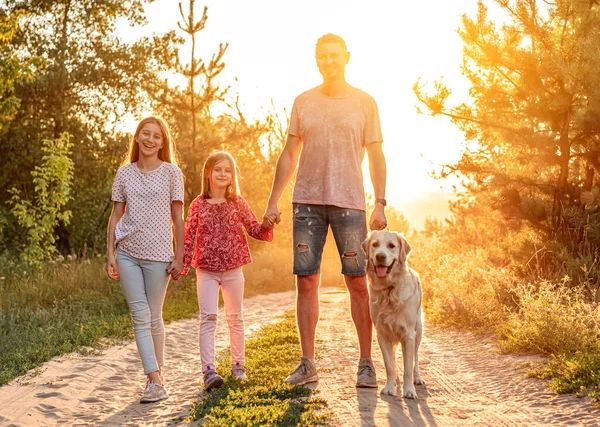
[468, 383]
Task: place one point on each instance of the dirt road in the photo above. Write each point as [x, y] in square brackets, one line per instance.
[468, 382]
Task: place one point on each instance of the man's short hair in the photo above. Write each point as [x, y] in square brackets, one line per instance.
[332, 38]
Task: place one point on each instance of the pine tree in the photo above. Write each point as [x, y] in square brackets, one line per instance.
[532, 121]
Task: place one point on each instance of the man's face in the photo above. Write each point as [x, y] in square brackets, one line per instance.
[331, 60]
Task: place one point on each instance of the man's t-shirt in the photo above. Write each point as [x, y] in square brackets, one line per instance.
[334, 132]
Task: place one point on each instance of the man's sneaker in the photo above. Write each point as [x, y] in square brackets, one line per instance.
[305, 372]
[153, 393]
[238, 372]
[212, 380]
[366, 374]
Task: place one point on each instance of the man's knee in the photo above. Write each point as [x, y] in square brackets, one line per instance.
[357, 285]
[308, 285]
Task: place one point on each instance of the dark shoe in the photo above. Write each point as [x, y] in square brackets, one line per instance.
[212, 380]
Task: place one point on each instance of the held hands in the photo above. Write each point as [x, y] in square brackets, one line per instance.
[175, 269]
[378, 220]
[268, 221]
[271, 217]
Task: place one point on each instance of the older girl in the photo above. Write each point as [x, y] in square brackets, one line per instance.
[148, 202]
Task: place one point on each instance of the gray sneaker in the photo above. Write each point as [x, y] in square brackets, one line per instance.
[305, 372]
[366, 374]
[238, 372]
[212, 380]
[153, 393]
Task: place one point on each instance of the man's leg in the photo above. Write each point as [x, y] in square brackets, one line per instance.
[307, 312]
[349, 228]
[359, 306]
[310, 231]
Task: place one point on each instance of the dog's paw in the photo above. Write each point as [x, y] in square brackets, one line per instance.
[419, 381]
[410, 392]
[389, 389]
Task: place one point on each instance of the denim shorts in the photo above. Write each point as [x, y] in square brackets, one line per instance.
[310, 226]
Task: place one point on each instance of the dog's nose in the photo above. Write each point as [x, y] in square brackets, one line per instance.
[380, 257]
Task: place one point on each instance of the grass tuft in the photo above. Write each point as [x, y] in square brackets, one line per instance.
[263, 399]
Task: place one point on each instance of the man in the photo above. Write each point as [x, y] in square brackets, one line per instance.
[331, 125]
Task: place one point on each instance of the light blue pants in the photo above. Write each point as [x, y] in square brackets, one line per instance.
[145, 286]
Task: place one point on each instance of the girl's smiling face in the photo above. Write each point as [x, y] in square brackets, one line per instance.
[221, 175]
[150, 140]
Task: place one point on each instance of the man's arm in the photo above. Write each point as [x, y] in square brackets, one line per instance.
[286, 165]
[378, 172]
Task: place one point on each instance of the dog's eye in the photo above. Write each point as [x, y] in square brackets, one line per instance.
[376, 244]
[391, 246]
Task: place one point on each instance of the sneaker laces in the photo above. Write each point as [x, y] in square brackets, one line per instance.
[363, 368]
[302, 368]
[151, 386]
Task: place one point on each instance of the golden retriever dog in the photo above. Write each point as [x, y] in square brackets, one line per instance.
[395, 292]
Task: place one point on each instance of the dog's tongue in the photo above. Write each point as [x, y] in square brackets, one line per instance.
[381, 270]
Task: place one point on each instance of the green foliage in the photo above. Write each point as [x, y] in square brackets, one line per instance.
[578, 373]
[13, 70]
[263, 399]
[52, 185]
[86, 84]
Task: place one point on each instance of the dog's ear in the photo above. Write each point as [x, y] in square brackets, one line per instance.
[365, 246]
[405, 248]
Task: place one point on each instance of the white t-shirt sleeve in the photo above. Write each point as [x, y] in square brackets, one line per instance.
[176, 185]
[118, 189]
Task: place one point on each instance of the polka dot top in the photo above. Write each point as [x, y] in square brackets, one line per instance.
[145, 230]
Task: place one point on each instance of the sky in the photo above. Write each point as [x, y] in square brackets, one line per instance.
[392, 44]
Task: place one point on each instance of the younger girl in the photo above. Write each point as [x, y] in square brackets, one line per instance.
[148, 198]
[215, 244]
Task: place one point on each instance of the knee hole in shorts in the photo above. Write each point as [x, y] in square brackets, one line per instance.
[302, 247]
[350, 254]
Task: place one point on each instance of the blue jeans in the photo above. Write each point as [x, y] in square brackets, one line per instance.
[310, 226]
[145, 286]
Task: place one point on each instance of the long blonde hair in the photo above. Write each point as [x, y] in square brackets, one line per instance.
[233, 191]
[166, 154]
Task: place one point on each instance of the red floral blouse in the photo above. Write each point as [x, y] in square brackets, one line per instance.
[214, 237]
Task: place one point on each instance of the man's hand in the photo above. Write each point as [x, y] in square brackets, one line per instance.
[378, 220]
[269, 221]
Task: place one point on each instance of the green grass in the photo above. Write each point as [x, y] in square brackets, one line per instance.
[69, 307]
[263, 399]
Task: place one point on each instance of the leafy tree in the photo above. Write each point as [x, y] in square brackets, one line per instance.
[52, 183]
[532, 121]
[13, 71]
[89, 80]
